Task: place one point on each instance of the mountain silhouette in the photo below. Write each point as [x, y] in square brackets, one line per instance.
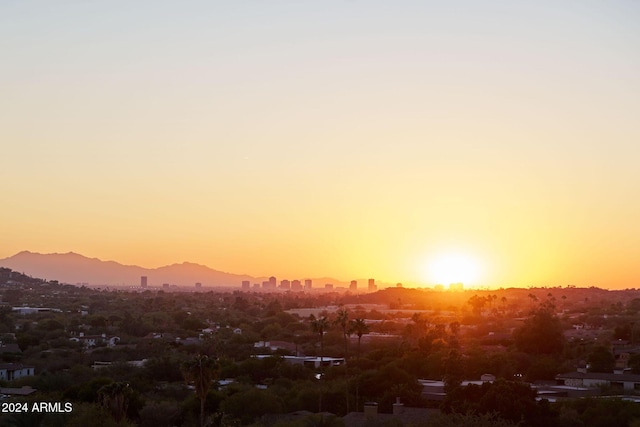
[74, 269]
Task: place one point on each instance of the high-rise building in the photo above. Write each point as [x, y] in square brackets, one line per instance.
[353, 286]
[296, 285]
[307, 284]
[285, 284]
[372, 285]
[246, 284]
[457, 287]
[143, 281]
[198, 285]
[328, 286]
[165, 285]
[273, 282]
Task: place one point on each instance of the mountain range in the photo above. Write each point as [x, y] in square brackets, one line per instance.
[74, 269]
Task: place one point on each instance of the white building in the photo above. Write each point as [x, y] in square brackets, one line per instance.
[13, 371]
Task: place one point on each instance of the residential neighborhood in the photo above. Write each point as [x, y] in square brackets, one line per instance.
[415, 356]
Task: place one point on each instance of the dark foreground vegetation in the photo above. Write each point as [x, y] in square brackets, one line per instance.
[154, 358]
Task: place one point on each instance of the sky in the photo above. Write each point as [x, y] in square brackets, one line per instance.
[345, 138]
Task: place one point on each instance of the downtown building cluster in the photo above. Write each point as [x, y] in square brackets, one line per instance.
[297, 285]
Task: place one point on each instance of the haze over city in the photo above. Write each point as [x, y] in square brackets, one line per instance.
[494, 143]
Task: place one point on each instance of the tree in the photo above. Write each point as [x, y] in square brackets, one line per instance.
[319, 326]
[202, 371]
[601, 360]
[251, 403]
[84, 414]
[478, 303]
[342, 320]
[634, 363]
[511, 401]
[466, 420]
[622, 332]
[602, 412]
[454, 327]
[162, 368]
[534, 299]
[504, 304]
[540, 334]
[359, 327]
[454, 372]
[115, 398]
[160, 413]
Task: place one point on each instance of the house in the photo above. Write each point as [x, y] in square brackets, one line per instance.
[310, 361]
[619, 379]
[277, 345]
[434, 389]
[13, 371]
[189, 341]
[401, 415]
[164, 336]
[22, 391]
[135, 363]
[89, 341]
[35, 310]
[9, 348]
[555, 392]
[622, 352]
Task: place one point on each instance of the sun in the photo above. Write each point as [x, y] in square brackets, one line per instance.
[452, 268]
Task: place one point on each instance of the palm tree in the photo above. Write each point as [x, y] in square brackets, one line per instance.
[342, 320]
[359, 327]
[319, 326]
[202, 371]
[115, 398]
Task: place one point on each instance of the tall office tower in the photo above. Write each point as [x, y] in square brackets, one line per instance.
[198, 285]
[372, 285]
[265, 284]
[272, 282]
[165, 285]
[307, 283]
[353, 286]
[456, 287]
[328, 286]
[246, 284]
[285, 284]
[296, 285]
[143, 281]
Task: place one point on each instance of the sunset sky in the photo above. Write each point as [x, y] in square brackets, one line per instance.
[349, 139]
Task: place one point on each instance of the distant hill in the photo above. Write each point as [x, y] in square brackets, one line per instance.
[75, 268]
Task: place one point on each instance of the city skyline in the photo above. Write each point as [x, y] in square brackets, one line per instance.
[77, 269]
[493, 143]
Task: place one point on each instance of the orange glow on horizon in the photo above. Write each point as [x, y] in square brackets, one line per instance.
[452, 267]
